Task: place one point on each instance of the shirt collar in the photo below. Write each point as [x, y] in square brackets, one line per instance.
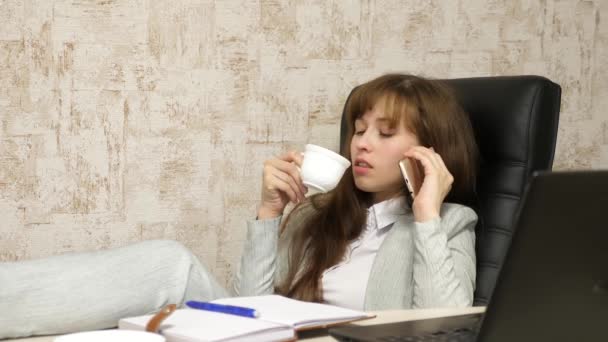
[387, 212]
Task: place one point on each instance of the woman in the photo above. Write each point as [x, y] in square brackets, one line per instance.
[358, 246]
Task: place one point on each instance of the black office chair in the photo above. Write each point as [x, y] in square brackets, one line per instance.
[515, 120]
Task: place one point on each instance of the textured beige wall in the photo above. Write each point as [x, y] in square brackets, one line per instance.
[130, 120]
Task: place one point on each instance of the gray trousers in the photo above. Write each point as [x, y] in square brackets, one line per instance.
[87, 291]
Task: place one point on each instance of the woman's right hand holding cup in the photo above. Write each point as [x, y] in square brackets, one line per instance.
[281, 183]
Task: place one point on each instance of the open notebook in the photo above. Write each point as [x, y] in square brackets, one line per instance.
[279, 319]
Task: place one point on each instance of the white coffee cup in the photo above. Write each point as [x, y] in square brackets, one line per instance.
[111, 335]
[322, 169]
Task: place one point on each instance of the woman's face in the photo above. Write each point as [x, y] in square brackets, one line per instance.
[376, 150]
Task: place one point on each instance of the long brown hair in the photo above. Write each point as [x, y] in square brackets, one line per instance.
[429, 109]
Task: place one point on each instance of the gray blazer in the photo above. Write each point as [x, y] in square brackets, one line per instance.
[418, 265]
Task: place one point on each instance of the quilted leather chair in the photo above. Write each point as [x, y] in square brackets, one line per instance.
[515, 119]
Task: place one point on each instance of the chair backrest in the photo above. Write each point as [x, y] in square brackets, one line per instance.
[515, 121]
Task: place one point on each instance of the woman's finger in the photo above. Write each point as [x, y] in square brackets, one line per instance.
[284, 186]
[443, 173]
[273, 180]
[297, 157]
[437, 161]
[424, 156]
[441, 163]
[293, 157]
[427, 153]
[290, 169]
[292, 184]
[428, 165]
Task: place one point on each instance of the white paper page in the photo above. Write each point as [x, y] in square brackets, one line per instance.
[295, 313]
[199, 325]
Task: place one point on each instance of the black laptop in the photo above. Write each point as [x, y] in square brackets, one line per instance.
[553, 285]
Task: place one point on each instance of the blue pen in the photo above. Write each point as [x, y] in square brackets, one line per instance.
[227, 309]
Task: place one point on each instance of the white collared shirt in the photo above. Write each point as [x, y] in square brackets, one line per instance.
[345, 283]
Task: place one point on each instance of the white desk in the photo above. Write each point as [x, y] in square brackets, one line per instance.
[381, 317]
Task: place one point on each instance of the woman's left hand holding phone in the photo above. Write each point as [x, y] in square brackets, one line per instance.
[281, 183]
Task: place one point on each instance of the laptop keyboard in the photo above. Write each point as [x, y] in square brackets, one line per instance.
[457, 335]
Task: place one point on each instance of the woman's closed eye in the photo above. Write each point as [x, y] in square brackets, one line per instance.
[387, 132]
[384, 134]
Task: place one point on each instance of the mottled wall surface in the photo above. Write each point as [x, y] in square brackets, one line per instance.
[141, 119]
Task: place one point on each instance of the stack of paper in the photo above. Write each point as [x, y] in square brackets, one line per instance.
[279, 319]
